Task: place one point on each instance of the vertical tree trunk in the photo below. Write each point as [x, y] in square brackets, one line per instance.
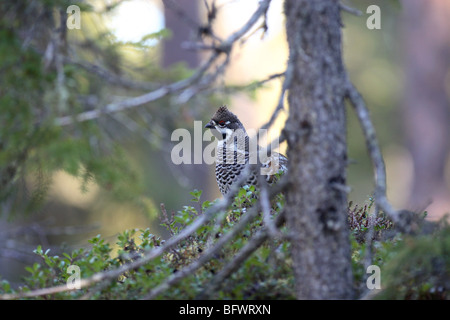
[181, 31]
[426, 111]
[174, 53]
[316, 205]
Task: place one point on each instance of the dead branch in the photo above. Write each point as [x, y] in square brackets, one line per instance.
[222, 205]
[206, 256]
[288, 75]
[264, 200]
[202, 30]
[209, 214]
[350, 10]
[139, 100]
[225, 48]
[212, 251]
[110, 77]
[374, 151]
[251, 246]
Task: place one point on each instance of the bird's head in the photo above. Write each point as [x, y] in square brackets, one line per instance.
[224, 123]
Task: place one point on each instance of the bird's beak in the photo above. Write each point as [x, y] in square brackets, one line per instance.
[209, 125]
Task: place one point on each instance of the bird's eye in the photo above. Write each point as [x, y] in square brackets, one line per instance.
[221, 123]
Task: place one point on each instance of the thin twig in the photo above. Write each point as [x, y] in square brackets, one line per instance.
[288, 75]
[175, 7]
[201, 220]
[229, 89]
[149, 255]
[205, 82]
[350, 10]
[264, 199]
[262, 9]
[110, 77]
[206, 256]
[171, 88]
[251, 246]
[212, 251]
[139, 100]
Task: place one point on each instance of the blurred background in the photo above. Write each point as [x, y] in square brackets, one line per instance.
[126, 48]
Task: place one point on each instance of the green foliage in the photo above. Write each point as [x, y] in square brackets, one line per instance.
[419, 268]
[32, 148]
[146, 39]
[265, 275]
[412, 267]
[48, 71]
[20, 135]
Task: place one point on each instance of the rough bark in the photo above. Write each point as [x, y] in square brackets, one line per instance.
[316, 134]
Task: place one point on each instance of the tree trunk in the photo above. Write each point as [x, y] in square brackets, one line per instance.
[181, 31]
[174, 53]
[316, 205]
[426, 111]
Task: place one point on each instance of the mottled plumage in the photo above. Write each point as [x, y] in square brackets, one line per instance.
[233, 152]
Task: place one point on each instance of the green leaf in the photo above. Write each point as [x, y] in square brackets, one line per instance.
[38, 250]
[196, 194]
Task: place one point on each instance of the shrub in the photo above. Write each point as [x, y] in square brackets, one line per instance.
[412, 266]
[266, 274]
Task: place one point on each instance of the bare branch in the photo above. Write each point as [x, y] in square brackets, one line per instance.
[185, 84]
[374, 151]
[261, 11]
[206, 256]
[251, 246]
[229, 89]
[212, 251]
[209, 214]
[111, 77]
[139, 100]
[225, 47]
[350, 10]
[205, 82]
[202, 30]
[264, 199]
[288, 75]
